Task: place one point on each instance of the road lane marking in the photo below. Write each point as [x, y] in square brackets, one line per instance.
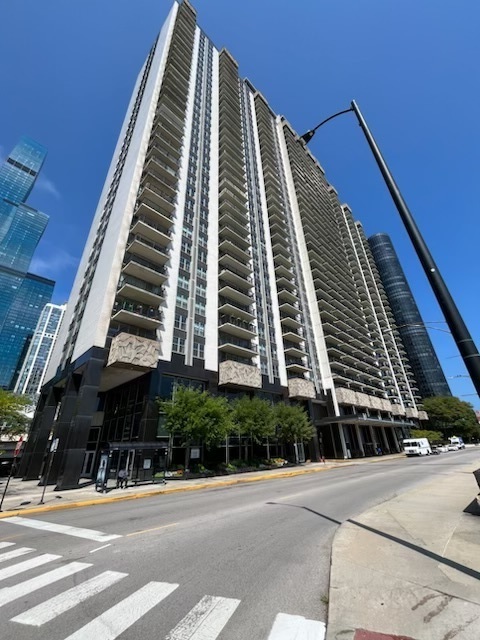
[121, 616]
[206, 620]
[164, 526]
[78, 532]
[50, 609]
[4, 545]
[9, 594]
[288, 627]
[15, 553]
[26, 565]
[103, 547]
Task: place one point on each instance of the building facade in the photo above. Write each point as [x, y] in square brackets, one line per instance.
[220, 256]
[23, 294]
[34, 365]
[419, 348]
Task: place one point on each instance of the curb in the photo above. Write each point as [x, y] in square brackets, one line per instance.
[157, 492]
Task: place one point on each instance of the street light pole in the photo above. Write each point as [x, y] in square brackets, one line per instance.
[458, 329]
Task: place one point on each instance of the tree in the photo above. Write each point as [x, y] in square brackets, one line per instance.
[451, 416]
[293, 423]
[13, 421]
[254, 418]
[432, 436]
[196, 415]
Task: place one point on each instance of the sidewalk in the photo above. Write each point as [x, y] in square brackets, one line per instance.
[23, 497]
[409, 569]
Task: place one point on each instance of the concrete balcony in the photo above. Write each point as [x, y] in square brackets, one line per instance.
[144, 292]
[290, 322]
[149, 209]
[135, 314]
[237, 349]
[230, 262]
[158, 196]
[296, 367]
[228, 247]
[235, 295]
[145, 248]
[145, 227]
[144, 270]
[236, 327]
[237, 280]
[232, 308]
[241, 241]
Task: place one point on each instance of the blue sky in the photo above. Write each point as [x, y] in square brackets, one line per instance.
[68, 69]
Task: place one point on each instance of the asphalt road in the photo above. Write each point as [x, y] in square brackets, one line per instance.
[240, 556]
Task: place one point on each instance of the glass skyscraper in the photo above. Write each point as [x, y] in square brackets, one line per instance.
[39, 351]
[423, 359]
[23, 295]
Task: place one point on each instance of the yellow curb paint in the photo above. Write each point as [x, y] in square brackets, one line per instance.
[158, 492]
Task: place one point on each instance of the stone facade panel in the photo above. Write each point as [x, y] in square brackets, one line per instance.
[237, 373]
[135, 351]
[301, 388]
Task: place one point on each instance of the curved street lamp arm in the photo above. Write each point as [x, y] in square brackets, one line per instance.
[309, 135]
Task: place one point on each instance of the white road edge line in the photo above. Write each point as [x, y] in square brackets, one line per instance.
[121, 616]
[206, 620]
[103, 547]
[50, 609]
[79, 532]
[287, 627]
[4, 545]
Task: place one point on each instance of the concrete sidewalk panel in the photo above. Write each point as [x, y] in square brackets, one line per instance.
[409, 567]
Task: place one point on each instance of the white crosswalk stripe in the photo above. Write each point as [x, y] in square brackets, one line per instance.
[288, 627]
[9, 594]
[4, 545]
[206, 620]
[120, 617]
[15, 553]
[52, 608]
[78, 532]
[26, 565]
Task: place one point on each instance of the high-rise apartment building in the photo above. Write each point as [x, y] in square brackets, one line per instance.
[34, 365]
[23, 295]
[421, 354]
[219, 256]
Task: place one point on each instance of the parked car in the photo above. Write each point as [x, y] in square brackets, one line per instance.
[436, 450]
[443, 448]
[453, 447]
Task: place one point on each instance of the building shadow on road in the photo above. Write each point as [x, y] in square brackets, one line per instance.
[409, 545]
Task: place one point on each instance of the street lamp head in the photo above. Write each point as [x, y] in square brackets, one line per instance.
[307, 136]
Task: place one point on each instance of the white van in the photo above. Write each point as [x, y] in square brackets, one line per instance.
[456, 441]
[417, 447]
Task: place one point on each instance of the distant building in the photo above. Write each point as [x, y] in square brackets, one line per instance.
[38, 355]
[23, 294]
[421, 354]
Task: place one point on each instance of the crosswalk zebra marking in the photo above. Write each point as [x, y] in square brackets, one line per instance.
[121, 616]
[287, 627]
[15, 553]
[50, 609]
[78, 532]
[206, 620]
[20, 567]
[9, 594]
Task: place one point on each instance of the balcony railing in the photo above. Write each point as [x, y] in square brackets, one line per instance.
[151, 224]
[141, 284]
[226, 319]
[144, 263]
[153, 245]
[160, 192]
[140, 309]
